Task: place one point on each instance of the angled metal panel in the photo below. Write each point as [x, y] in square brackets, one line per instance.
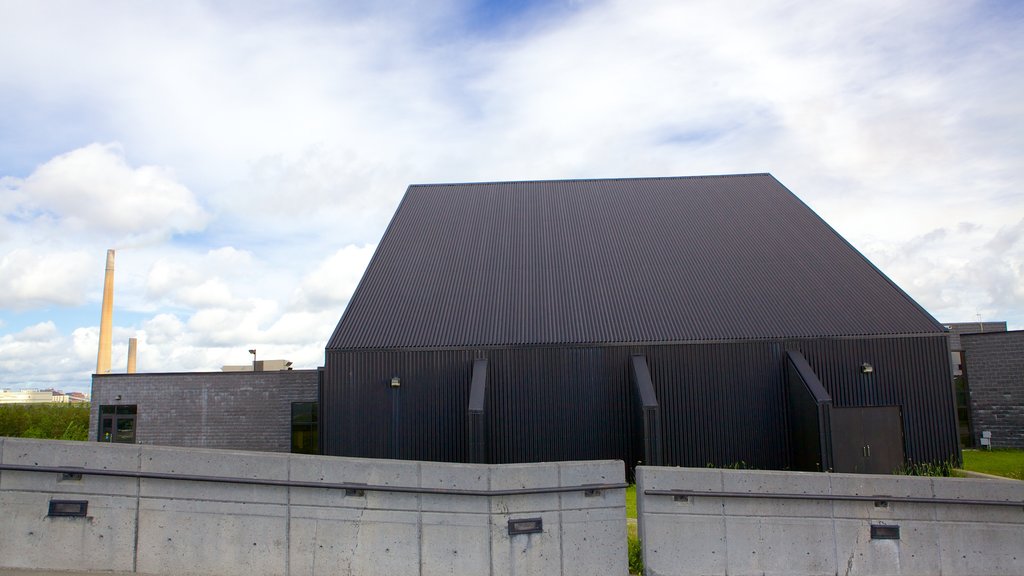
[478, 386]
[651, 417]
[809, 416]
[475, 415]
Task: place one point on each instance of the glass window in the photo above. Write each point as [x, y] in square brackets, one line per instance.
[305, 431]
[117, 424]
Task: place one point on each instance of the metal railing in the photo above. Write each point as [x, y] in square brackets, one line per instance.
[687, 494]
[350, 486]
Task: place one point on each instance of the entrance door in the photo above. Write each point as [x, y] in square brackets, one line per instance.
[867, 439]
[117, 424]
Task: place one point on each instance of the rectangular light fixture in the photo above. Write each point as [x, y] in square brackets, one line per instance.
[525, 526]
[881, 532]
[68, 508]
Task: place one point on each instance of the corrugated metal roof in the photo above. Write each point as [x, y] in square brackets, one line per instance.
[616, 261]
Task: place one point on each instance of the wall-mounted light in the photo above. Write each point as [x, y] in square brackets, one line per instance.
[866, 368]
[117, 398]
[395, 382]
[525, 526]
[68, 508]
[885, 532]
[253, 352]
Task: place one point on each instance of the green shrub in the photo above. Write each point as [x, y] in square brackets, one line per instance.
[52, 421]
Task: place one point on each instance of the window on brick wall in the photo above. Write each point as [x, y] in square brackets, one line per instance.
[117, 424]
[305, 430]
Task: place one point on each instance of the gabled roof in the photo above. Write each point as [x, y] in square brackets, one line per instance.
[636, 260]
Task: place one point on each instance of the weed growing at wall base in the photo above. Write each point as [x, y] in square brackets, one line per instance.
[636, 559]
[936, 468]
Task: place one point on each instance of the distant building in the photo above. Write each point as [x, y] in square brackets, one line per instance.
[259, 366]
[40, 396]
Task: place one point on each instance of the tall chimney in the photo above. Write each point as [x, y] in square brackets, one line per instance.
[106, 317]
[133, 344]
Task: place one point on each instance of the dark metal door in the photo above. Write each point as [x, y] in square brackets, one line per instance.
[867, 439]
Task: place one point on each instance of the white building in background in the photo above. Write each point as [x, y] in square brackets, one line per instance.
[40, 397]
[259, 366]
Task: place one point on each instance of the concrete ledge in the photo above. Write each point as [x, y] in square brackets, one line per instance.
[732, 533]
[196, 526]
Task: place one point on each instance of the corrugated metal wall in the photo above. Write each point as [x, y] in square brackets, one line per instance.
[907, 372]
[721, 403]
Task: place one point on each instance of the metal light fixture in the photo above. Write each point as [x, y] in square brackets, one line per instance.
[866, 368]
[525, 526]
[885, 532]
[68, 508]
[253, 352]
[395, 382]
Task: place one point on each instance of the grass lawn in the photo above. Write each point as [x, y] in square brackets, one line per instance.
[1000, 462]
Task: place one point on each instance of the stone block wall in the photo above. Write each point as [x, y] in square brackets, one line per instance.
[228, 410]
[994, 367]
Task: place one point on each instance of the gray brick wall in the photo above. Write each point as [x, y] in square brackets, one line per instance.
[957, 329]
[994, 367]
[231, 410]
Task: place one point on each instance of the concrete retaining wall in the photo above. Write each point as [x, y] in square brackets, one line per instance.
[735, 535]
[175, 527]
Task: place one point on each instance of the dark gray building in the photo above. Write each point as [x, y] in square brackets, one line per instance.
[956, 353]
[273, 411]
[680, 321]
[994, 367]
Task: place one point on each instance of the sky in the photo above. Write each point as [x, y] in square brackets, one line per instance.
[245, 157]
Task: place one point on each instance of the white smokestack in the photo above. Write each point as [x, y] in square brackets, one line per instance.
[133, 344]
[106, 318]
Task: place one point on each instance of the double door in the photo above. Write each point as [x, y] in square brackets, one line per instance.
[867, 439]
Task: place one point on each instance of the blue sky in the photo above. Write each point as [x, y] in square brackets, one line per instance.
[245, 157]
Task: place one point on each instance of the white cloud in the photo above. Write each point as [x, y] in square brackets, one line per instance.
[94, 190]
[257, 141]
[199, 280]
[31, 277]
[38, 353]
[332, 283]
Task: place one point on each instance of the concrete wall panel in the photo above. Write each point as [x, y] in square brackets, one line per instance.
[778, 545]
[180, 527]
[581, 529]
[528, 554]
[454, 543]
[102, 541]
[182, 536]
[777, 535]
[28, 452]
